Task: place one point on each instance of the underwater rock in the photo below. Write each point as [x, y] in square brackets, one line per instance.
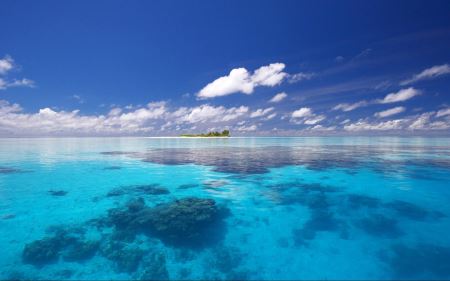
[125, 257]
[81, 250]
[412, 211]
[63, 240]
[112, 168]
[423, 261]
[41, 252]
[151, 189]
[155, 268]
[9, 170]
[185, 221]
[357, 201]
[8, 216]
[322, 220]
[189, 221]
[148, 189]
[187, 186]
[380, 226]
[57, 192]
[116, 192]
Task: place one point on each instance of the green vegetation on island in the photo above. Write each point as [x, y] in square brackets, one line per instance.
[225, 133]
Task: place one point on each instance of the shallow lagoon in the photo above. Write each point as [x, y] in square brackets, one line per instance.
[237, 208]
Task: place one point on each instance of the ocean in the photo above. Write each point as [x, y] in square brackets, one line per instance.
[226, 209]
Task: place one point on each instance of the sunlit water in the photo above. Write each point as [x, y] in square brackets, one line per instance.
[237, 208]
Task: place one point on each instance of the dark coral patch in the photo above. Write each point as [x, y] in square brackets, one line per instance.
[356, 201]
[145, 189]
[380, 226]
[188, 186]
[125, 257]
[412, 211]
[81, 250]
[155, 268]
[151, 189]
[69, 243]
[57, 192]
[112, 168]
[191, 222]
[41, 252]
[424, 261]
[9, 170]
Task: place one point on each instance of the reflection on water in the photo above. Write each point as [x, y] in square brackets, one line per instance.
[136, 208]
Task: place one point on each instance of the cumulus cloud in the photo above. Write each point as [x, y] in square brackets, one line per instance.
[314, 119]
[429, 73]
[350, 106]
[261, 112]
[247, 128]
[207, 113]
[306, 116]
[6, 64]
[390, 112]
[297, 77]
[381, 126]
[278, 97]
[443, 112]
[423, 122]
[240, 80]
[302, 112]
[402, 95]
[118, 121]
[270, 116]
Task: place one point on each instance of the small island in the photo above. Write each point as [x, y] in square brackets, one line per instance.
[225, 133]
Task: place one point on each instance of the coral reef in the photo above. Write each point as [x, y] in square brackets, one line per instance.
[57, 192]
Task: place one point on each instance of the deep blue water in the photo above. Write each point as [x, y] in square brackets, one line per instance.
[237, 208]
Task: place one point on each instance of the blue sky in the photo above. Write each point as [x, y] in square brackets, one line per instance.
[85, 68]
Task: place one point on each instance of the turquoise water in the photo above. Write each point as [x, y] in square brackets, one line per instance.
[237, 208]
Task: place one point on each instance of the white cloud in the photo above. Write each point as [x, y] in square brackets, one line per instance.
[115, 112]
[247, 128]
[24, 82]
[314, 119]
[6, 64]
[294, 78]
[350, 106]
[240, 81]
[422, 122]
[278, 97]
[207, 113]
[302, 112]
[390, 112]
[269, 75]
[321, 128]
[270, 116]
[261, 112]
[306, 116]
[443, 112]
[428, 73]
[402, 95]
[381, 126]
